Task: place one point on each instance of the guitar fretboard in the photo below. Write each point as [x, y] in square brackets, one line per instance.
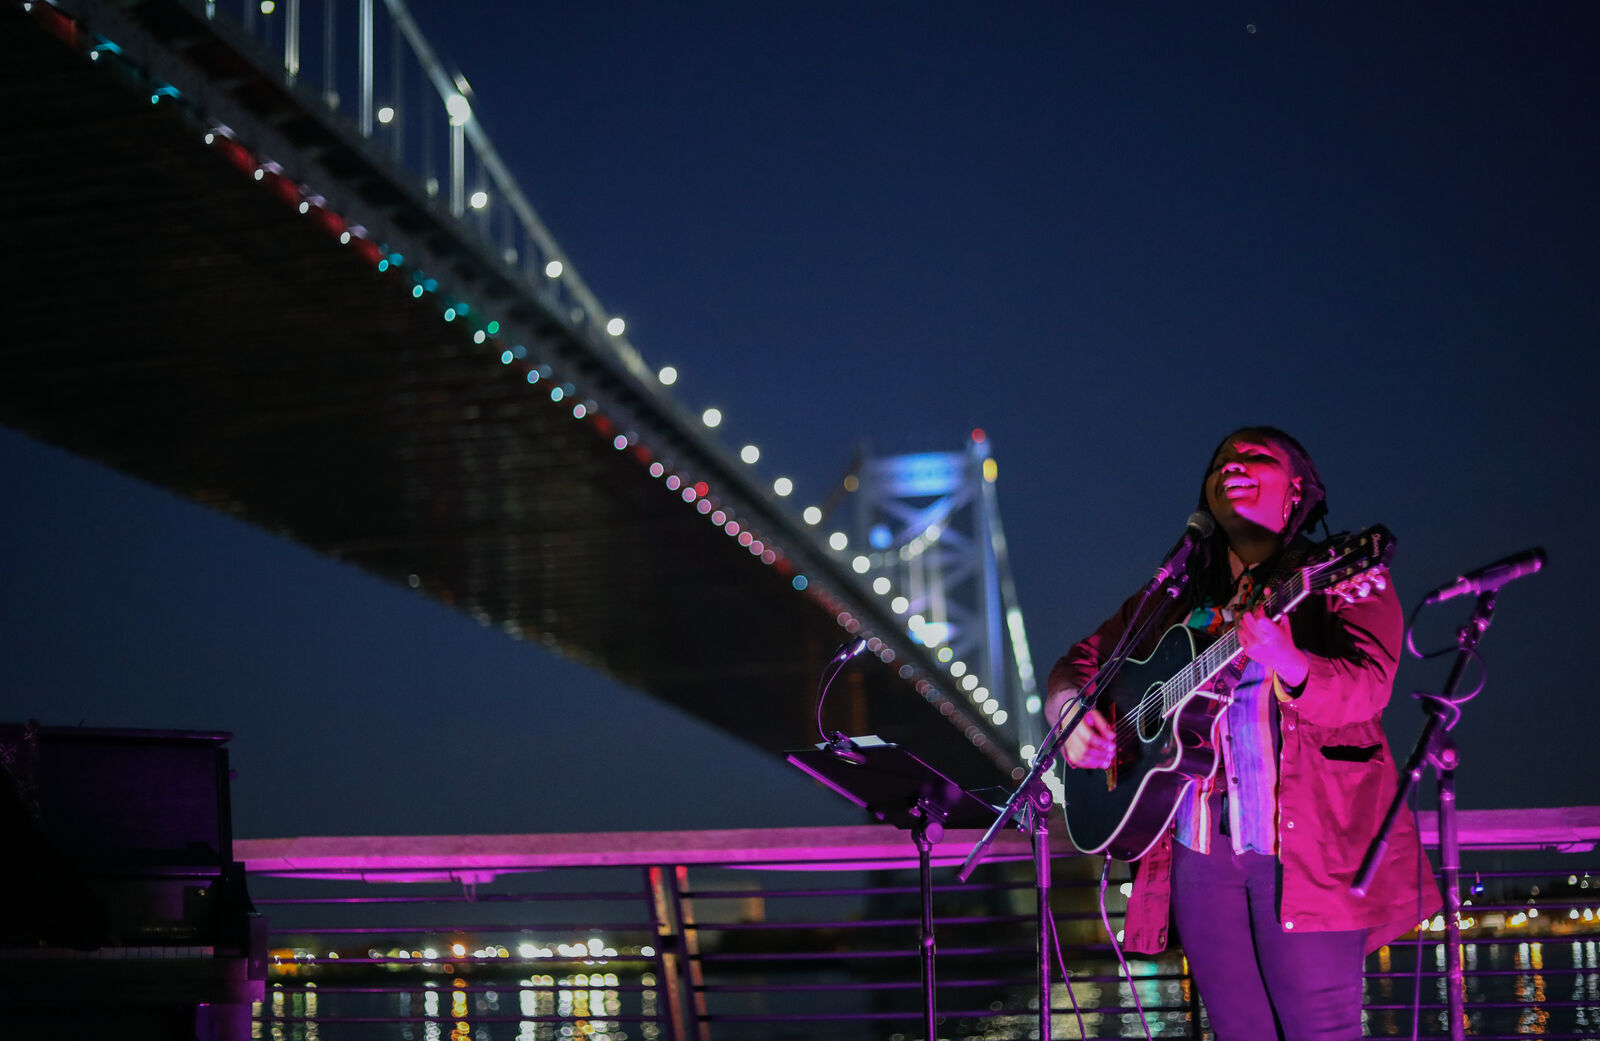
[1216, 657]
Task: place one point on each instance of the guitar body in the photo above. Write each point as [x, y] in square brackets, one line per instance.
[1124, 808]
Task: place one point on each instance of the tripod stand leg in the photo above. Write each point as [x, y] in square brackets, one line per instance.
[1046, 930]
[1450, 869]
[926, 945]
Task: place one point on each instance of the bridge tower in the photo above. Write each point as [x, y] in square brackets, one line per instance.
[930, 522]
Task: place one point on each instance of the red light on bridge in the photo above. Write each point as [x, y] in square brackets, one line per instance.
[367, 248]
[236, 154]
[978, 436]
[327, 220]
[59, 25]
[278, 185]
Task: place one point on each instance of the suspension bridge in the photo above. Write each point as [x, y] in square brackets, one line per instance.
[265, 255]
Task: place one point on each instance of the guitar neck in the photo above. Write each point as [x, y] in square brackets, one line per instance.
[1220, 654]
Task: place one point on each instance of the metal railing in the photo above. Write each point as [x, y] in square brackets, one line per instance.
[812, 933]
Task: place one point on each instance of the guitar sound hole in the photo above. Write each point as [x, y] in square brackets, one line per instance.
[1149, 719]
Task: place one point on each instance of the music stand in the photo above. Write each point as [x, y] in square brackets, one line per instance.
[898, 788]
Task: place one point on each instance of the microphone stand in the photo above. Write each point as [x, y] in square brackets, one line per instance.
[1434, 748]
[1030, 804]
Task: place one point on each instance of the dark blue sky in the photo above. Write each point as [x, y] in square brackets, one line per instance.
[1105, 235]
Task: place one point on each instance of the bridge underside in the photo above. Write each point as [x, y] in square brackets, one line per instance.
[173, 319]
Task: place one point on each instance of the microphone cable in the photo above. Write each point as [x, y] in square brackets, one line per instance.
[1116, 947]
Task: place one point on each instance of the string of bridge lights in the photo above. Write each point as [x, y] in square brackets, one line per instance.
[697, 494]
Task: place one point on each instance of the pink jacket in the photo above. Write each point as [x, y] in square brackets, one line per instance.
[1336, 780]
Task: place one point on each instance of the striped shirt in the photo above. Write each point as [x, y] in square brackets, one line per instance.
[1247, 737]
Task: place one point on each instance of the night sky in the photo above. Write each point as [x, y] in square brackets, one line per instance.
[1104, 235]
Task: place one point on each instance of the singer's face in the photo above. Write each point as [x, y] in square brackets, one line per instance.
[1251, 480]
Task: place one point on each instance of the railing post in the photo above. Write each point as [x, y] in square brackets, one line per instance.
[678, 948]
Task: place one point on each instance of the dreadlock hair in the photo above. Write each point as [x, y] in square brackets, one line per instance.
[1210, 578]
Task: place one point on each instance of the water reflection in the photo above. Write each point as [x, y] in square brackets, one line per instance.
[1534, 988]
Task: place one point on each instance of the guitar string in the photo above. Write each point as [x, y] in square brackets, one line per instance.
[1203, 666]
[1206, 664]
[1307, 578]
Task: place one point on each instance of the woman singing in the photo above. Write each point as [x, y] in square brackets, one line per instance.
[1255, 868]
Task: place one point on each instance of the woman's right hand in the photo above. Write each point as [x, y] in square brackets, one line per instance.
[1093, 744]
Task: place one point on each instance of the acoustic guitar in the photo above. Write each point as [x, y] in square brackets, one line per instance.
[1165, 711]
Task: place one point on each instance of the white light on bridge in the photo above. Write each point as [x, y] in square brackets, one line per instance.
[749, 453]
[899, 605]
[811, 515]
[386, 114]
[479, 200]
[668, 375]
[880, 585]
[459, 108]
[711, 417]
[553, 269]
[861, 565]
[782, 487]
[267, 6]
[615, 326]
[838, 540]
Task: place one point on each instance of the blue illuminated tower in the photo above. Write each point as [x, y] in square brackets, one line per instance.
[932, 523]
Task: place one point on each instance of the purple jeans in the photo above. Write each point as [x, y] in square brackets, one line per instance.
[1258, 981]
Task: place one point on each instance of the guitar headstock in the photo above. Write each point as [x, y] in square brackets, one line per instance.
[1351, 566]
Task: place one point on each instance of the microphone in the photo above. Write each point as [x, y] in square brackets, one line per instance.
[1199, 528]
[850, 650]
[1490, 577]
